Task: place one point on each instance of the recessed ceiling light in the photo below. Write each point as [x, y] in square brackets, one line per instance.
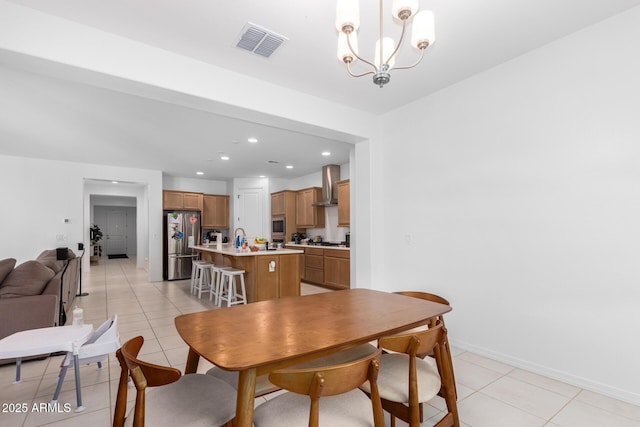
[262, 176]
[289, 166]
[224, 157]
[199, 173]
[326, 153]
[252, 140]
[114, 182]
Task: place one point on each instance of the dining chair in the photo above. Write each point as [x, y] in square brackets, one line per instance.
[103, 341]
[165, 397]
[447, 348]
[342, 403]
[405, 380]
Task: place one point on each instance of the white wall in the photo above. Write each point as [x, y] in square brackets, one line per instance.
[195, 185]
[519, 192]
[40, 194]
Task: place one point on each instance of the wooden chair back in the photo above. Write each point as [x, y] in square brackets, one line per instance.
[143, 374]
[425, 296]
[415, 343]
[332, 380]
[447, 349]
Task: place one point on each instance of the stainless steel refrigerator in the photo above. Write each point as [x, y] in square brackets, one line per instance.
[181, 230]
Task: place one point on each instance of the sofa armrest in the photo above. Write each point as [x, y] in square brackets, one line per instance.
[29, 312]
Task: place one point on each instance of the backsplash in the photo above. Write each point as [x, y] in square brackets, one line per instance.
[331, 232]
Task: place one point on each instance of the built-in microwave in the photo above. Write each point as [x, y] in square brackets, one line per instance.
[277, 227]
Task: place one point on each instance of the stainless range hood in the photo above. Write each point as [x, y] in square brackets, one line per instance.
[330, 175]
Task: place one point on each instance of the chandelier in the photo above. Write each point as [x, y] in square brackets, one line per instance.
[348, 22]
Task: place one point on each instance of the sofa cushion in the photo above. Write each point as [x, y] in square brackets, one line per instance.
[29, 278]
[6, 265]
[50, 259]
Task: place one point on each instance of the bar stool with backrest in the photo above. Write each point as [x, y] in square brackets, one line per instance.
[342, 403]
[165, 397]
[228, 291]
[405, 380]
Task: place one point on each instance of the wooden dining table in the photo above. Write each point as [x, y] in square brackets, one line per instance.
[261, 337]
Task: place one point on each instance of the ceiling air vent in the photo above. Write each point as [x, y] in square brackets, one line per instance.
[259, 40]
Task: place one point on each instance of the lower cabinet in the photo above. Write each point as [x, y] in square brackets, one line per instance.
[337, 269]
[314, 265]
[326, 267]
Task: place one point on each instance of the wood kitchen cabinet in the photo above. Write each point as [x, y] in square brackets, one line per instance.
[314, 265]
[181, 200]
[344, 203]
[215, 212]
[278, 204]
[330, 268]
[337, 268]
[283, 204]
[308, 215]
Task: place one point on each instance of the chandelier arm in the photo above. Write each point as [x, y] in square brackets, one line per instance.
[404, 26]
[405, 67]
[357, 75]
[359, 57]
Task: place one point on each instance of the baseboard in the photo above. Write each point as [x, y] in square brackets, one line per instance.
[585, 383]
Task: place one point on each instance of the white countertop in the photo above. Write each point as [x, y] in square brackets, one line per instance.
[340, 248]
[231, 250]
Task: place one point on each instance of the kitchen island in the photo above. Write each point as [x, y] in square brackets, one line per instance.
[268, 274]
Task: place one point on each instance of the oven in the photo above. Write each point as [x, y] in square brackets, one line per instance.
[277, 228]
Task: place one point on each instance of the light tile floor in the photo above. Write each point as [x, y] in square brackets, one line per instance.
[491, 394]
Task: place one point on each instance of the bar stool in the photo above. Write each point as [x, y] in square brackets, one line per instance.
[195, 272]
[216, 273]
[202, 278]
[228, 281]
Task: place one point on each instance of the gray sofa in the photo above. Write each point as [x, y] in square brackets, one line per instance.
[37, 293]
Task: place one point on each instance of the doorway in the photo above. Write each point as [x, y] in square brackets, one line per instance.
[249, 211]
[116, 232]
[119, 228]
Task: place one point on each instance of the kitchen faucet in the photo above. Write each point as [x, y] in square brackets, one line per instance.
[235, 235]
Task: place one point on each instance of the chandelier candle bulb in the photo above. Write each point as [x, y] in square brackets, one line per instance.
[348, 15]
[403, 9]
[344, 53]
[423, 32]
[387, 49]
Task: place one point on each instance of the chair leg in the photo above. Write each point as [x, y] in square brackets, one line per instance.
[63, 372]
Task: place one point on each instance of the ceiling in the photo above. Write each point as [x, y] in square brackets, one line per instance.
[79, 122]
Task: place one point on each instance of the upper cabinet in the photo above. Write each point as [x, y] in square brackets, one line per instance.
[181, 200]
[278, 207]
[215, 213]
[344, 203]
[308, 215]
